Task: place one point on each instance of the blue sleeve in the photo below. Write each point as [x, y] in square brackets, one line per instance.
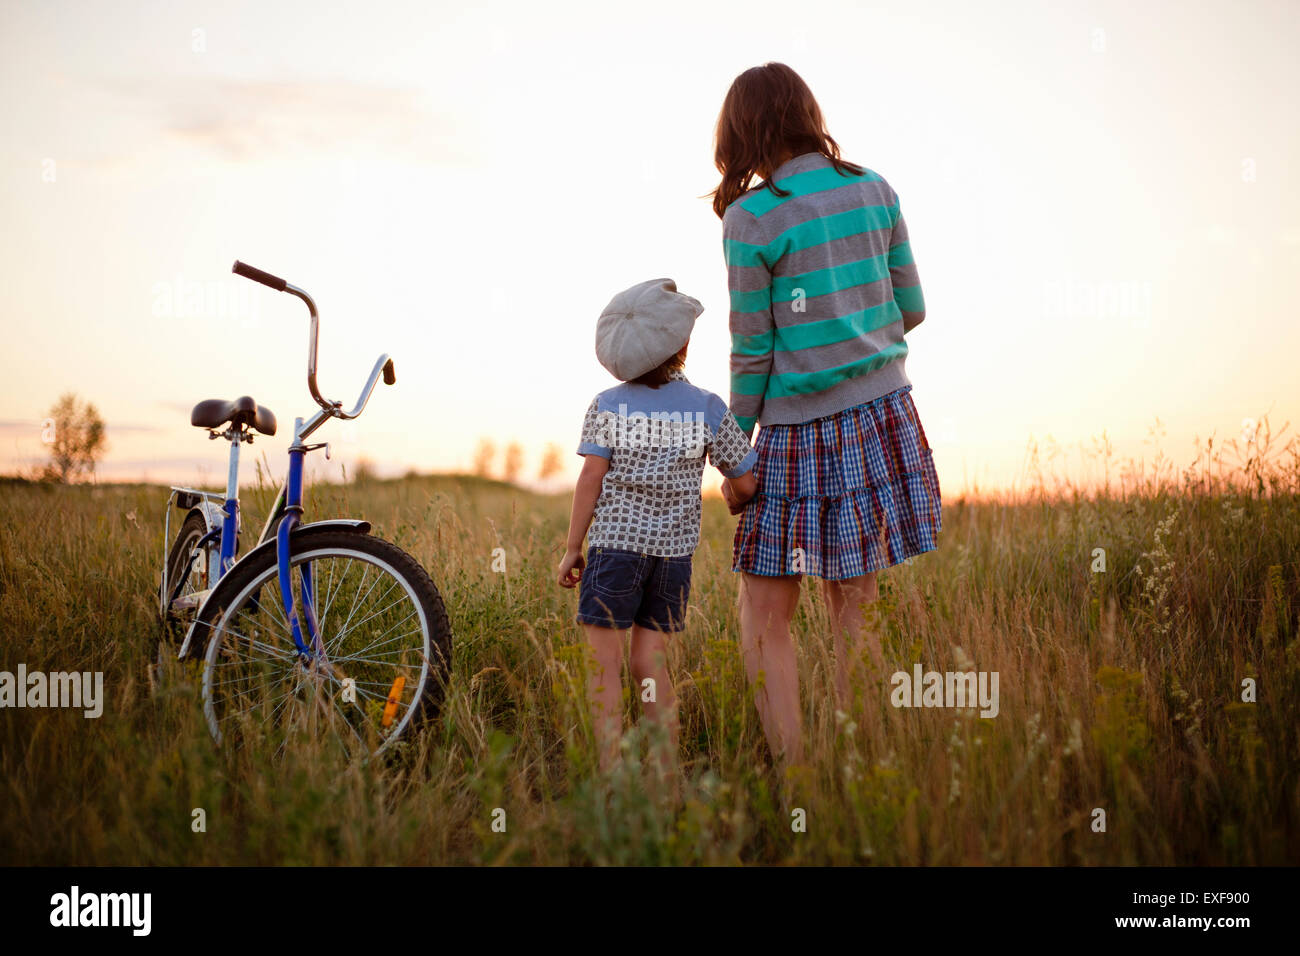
[729, 449]
[595, 438]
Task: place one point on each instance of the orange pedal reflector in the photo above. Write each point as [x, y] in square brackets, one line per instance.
[394, 696]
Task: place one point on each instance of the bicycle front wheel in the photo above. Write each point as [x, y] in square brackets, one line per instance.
[382, 653]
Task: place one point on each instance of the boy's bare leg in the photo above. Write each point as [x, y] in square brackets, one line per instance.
[845, 600]
[767, 606]
[605, 691]
[649, 661]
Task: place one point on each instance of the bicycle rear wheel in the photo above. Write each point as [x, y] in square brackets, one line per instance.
[185, 579]
[186, 573]
[383, 631]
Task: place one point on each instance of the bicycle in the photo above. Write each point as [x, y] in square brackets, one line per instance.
[295, 635]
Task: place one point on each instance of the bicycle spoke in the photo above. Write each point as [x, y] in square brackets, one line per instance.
[377, 614]
[375, 683]
[284, 631]
[376, 644]
[329, 595]
[278, 604]
[273, 653]
[244, 678]
[378, 662]
[357, 601]
[374, 648]
[346, 624]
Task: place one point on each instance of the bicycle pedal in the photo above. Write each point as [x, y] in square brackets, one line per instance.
[189, 602]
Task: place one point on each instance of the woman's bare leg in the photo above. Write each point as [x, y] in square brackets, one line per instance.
[767, 606]
[845, 600]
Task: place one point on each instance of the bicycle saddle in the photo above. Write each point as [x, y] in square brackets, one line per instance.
[213, 413]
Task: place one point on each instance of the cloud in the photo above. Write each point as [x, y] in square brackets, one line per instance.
[244, 120]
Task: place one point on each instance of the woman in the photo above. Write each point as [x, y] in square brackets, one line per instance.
[823, 288]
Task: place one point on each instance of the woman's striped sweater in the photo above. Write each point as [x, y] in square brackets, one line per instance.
[823, 288]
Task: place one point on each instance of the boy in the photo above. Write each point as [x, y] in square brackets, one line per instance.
[644, 444]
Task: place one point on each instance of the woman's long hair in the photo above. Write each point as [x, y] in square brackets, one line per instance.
[768, 114]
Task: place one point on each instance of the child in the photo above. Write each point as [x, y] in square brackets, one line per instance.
[644, 444]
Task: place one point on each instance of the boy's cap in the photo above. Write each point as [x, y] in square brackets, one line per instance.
[643, 326]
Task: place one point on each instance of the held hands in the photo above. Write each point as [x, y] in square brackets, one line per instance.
[738, 491]
[571, 569]
[735, 504]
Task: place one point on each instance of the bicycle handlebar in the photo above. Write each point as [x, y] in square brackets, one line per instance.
[335, 409]
[257, 275]
[385, 365]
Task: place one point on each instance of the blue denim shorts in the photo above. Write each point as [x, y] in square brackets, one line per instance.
[622, 588]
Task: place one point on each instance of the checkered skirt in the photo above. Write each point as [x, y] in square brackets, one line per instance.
[843, 495]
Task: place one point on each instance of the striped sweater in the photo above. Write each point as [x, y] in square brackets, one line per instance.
[823, 287]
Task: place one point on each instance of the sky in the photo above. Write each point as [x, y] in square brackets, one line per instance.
[1102, 201]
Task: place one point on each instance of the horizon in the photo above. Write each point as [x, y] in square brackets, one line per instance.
[1265, 453]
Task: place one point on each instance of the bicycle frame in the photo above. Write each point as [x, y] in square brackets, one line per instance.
[293, 512]
[293, 508]
[288, 505]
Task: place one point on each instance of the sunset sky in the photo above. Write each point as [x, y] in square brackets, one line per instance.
[1102, 199]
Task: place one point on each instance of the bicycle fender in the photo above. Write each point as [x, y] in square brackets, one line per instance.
[213, 516]
[219, 593]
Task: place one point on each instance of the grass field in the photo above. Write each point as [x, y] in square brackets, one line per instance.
[1120, 690]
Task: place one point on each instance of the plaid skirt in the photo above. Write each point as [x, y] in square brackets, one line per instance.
[841, 496]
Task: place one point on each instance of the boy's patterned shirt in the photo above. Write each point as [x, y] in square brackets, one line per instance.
[656, 440]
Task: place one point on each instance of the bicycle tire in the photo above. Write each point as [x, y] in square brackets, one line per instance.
[178, 558]
[192, 530]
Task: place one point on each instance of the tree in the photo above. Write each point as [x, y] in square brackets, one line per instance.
[552, 462]
[75, 433]
[514, 462]
[483, 456]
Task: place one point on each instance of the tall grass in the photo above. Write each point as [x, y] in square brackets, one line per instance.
[1121, 690]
